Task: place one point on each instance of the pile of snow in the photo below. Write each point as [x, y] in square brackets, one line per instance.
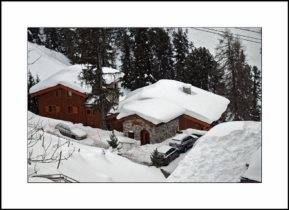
[254, 171]
[45, 62]
[166, 100]
[221, 154]
[90, 162]
[69, 77]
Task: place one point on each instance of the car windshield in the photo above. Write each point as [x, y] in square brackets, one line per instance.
[63, 126]
[170, 151]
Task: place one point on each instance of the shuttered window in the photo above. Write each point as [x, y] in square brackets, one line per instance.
[69, 109]
[75, 110]
[57, 109]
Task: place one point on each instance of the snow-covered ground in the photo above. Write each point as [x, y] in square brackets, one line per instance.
[87, 163]
[221, 154]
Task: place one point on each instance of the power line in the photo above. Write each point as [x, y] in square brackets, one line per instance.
[221, 34]
[250, 37]
[245, 29]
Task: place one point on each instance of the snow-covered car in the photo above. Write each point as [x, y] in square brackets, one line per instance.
[183, 142]
[71, 131]
[169, 153]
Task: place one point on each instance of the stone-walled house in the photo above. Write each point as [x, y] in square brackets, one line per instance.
[156, 112]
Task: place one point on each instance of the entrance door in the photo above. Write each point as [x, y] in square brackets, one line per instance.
[144, 137]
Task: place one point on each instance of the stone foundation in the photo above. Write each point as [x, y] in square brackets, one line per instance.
[158, 133]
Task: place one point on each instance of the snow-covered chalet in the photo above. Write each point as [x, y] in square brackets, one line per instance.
[156, 112]
[64, 96]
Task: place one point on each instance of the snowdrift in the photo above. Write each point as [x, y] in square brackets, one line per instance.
[221, 154]
[44, 62]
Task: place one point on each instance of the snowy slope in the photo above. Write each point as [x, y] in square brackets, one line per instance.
[221, 154]
[45, 62]
[254, 170]
[88, 163]
[165, 100]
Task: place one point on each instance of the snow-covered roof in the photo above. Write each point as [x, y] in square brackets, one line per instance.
[180, 136]
[163, 149]
[165, 100]
[254, 171]
[220, 158]
[44, 62]
[69, 77]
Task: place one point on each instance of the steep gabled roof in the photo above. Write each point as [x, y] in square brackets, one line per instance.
[165, 100]
[69, 77]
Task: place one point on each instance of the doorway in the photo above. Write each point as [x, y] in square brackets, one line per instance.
[144, 137]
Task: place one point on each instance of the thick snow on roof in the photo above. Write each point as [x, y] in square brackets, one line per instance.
[165, 100]
[45, 62]
[163, 149]
[69, 77]
[254, 171]
[220, 158]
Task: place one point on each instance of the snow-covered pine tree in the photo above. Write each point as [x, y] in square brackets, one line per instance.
[32, 103]
[162, 50]
[157, 159]
[113, 140]
[95, 53]
[181, 51]
[142, 74]
[200, 67]
[256, 92]
[236, 76]
[125, 43]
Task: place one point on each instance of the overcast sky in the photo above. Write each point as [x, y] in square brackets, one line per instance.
[210, 41]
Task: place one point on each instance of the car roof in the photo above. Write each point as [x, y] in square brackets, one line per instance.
[181, 136]
[164, 148]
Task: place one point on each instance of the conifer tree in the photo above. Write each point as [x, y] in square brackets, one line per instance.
[181, 51]
[142, 59]
[126, 46]
[32, 103]
[256, 94]
[96, 54]
[162, 50]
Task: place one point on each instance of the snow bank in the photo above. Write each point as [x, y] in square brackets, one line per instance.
[220, 158]
[45, 62]
[169, 100]
[69, 77]
[88, 162]
[254, 171]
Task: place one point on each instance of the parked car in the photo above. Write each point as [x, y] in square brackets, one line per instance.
[71, 131]
[168, 153]
[183, 142]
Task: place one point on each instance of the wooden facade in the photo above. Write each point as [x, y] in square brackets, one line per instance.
[61, 102]
[186, 121]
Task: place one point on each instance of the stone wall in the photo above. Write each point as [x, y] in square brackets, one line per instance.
[157, 133]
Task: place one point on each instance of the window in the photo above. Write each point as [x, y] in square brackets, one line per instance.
[88, 111]
[131, 134]
[75, 110]
[58, 93]
[69, 109]
[69, 93]
[50, 109]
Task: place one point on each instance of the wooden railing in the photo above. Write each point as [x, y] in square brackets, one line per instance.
[60, 178]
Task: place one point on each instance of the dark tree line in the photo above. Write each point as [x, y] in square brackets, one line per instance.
[149, 54]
